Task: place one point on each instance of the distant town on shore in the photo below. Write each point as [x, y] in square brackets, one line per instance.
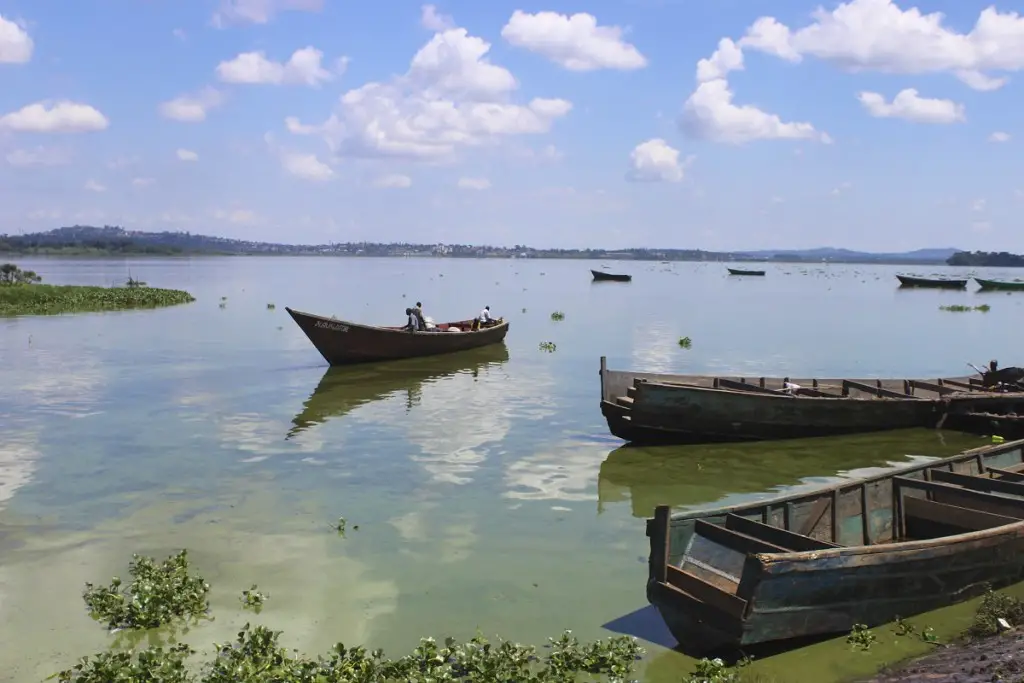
[83, 240]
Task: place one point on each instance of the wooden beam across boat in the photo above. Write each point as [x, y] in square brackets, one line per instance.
[911, 540]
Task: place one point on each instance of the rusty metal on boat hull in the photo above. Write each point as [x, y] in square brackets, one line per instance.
[341, 342]
[815, 564]
[660, 408]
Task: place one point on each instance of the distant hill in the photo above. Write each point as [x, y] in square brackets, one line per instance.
[114, 240]
[834, 254]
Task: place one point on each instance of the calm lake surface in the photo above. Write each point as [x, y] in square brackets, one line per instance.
[486, 488]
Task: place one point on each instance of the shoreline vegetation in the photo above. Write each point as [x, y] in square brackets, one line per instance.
[116, 241]
[21, 293]
[170, 594]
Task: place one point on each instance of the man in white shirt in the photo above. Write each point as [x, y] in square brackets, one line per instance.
[485, 315]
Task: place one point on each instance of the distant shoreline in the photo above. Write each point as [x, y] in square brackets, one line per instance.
[497, 257]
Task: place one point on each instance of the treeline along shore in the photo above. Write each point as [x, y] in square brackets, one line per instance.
[108, 240]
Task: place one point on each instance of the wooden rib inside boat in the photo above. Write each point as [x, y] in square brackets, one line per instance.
[861, 552]
[657, 408]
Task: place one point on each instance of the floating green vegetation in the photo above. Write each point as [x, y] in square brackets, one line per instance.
[256, 656]
[11, 274]
[548, 346]
[158, 594]
[558, 316]
[861, 637]
[35, 299]
[995, 606]
[960, 308]
[340, 526]
[685, 342]
[271, 307]
[716, 671]
[253, 599]
[905, 628]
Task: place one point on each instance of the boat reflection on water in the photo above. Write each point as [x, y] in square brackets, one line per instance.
[343, 389]
[701, 475]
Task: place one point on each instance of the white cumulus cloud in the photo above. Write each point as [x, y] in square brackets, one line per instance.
[15, 43]
[186, 155]
[55, 117]
[94, 186]
[307, 167]
[999, 136]
[656, 161]
[259, 11]
[304, 67]
[432, 20]
[192, 108]
[38, 156]
[709, 114]
[910, 106]
[575, 42]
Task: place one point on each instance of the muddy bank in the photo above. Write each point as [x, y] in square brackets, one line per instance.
[998, 658]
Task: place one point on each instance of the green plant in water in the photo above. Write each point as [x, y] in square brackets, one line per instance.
[984, 308]
[903, 628]
[995, 606]
[685, 342]
[928, 635]
[861, 637]
[271, 307]
[11, 274]
[960, 308]
[715, 671]
[157, 594]
[340, 525]
[558, 316]
[548, 346]
[253, 599]
[37, 299]
[256, 656]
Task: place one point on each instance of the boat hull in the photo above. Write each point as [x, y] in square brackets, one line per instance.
[999, 286]
[810, 565]
[647, 408]
[600, 276]
[341, 342]
[753, 273]
[932, 283]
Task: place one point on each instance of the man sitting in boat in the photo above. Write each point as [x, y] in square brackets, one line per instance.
[417, 311]
[412, 322]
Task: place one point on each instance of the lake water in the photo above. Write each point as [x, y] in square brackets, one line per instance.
[486, 488]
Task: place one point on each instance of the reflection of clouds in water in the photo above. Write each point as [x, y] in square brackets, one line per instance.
[453, 419]
[18, 455]
[317, 595]
[263, 436]
[448, 543]
[62, 383]
[567, 473]
[655, 348]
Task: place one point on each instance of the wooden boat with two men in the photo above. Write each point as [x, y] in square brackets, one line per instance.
[931, 282]
[861, 552]
[600, 276]
[341, 342]
[661, 408]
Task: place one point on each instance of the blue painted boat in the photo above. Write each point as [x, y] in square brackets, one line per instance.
[866, 551]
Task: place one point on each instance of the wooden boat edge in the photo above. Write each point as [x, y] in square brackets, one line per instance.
[296, 314]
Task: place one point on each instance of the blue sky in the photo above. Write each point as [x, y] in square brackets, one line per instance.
[715, 124]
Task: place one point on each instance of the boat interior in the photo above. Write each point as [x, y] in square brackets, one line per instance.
[701, 555]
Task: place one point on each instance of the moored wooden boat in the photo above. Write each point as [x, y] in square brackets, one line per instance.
[740, 271]
[999, 285]
[861, 552]
[662, 408]
[343, 389]
[341, 342]
[933, 283]
[610, 277]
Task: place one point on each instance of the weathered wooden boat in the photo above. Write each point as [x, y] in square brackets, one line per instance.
[933, 283]
[341, 342]
[662, 408]
[999, 285]
[861, 552]
[610, 277]
[343, 389]
[740, 271]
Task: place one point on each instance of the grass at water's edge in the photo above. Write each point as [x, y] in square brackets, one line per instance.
[38, 299]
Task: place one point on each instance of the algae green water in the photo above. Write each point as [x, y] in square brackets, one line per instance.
[487, 491]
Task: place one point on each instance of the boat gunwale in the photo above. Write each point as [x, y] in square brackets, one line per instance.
[396, 330]
[839, 487]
